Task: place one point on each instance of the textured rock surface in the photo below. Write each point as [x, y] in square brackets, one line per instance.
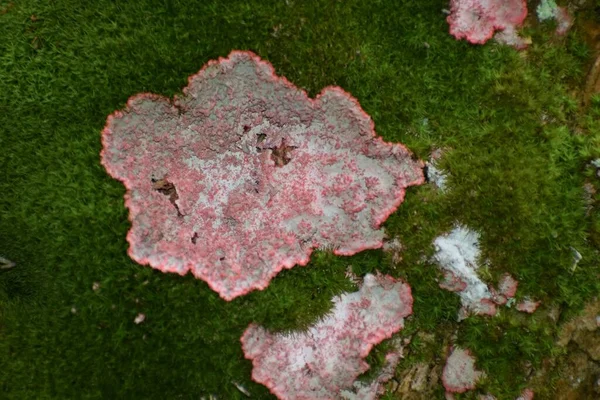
[244, 175]
[584, 331]
[324, 362]
[478, 20]
[459, 373]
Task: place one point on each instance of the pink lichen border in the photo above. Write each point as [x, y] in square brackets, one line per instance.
[105, 133]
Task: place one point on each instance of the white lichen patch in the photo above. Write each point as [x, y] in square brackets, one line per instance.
[241, 388]
[139, 319]
[548, 10]
[457, 254]
[576, 258]
[435, 175]
[511, 37]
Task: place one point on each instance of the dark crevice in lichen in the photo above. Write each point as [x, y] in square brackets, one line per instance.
[260, 137]
[425, 169]
[168, 189]
[281, 154]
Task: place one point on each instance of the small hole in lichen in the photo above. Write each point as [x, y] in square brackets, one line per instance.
[425, 169]
[260, 137]
[195, 238]
[167, 188]
[246, 128]
[280, 155]
[222, 258]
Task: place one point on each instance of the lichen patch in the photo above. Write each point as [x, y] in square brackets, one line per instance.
[259, 175]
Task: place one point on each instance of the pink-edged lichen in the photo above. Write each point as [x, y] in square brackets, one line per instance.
[507, 288]
[528, 306]
[478, 20]
[452, 283]
[459, 373]
[527, 394]
[324, 361]
[244, 175]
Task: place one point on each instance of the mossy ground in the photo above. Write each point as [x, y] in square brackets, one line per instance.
[519, 145]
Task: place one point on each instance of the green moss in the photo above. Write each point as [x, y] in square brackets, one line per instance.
[517, 146]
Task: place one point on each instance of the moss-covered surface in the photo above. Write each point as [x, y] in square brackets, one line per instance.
[518, 145]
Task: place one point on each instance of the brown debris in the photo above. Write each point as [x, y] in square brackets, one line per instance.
[281, 155]
[7, 8]
[168, 189]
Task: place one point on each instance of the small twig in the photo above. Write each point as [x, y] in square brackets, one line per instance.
[6, 263]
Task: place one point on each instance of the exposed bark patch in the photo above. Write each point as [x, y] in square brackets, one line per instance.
[592, 85]
[168, 189]
[591, 31]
